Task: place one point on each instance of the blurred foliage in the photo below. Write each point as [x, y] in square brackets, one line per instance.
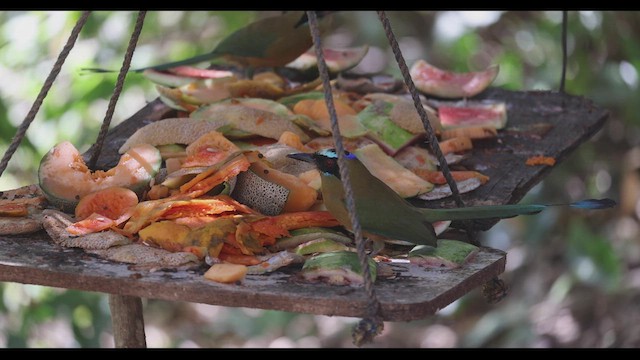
[574, 277]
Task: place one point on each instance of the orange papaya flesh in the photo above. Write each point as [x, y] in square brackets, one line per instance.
[13, 210]
[279, 226]
[209, 149]
[92, 223]
[111, 202]
[215, 175]
[151, 211]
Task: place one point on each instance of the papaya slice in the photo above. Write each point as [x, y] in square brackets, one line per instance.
[111, 202]
[209, 149]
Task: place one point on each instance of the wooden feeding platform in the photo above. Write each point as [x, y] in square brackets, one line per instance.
[539, 123]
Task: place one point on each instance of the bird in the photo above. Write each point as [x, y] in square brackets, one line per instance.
[382, 212]
[269, 42]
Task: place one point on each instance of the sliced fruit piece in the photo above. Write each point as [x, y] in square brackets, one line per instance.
[383, 130]
[454, 145]
[337, 59]
[148, 212]
[199, 92]
[319, 246]
[291, 100]
[261, 104]
[317, 110]
[22, 201]
[303, 235]
[209, 149]
[171, 131]
[91, 224]
[416, 158]
[216, 175]
[255, 89]
[113, 203]
[171, 151]
[166, 234]
[397, 177]
[337, 268]
[254, 121]
[473, 113]
[274, 227]
[274, 262]
[65, 178]
[271, 191]
[449, 254]
[471, 132]
[226, 273]
[447, 84]
[403, 112]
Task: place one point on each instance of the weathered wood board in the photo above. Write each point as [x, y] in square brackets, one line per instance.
[540, 123]
[414, 294]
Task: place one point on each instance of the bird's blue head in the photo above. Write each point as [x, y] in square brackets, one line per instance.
[326, 160]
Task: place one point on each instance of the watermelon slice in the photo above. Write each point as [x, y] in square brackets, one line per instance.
[472, 113]
[337, 59]
[447, 84]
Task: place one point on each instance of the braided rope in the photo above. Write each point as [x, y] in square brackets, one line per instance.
[126, 63]
[372, 324]
[431, 137]
[57, 66]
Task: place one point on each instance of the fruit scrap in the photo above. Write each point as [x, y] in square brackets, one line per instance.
[226, 273]
[448, 84]
[216, 175]
[337, 268]
[208, 150]
[541, 160]
[449, 254]
[472, 132]
[180, 206]
[271, 191]
[230, 235]
[454, 145]
[472, 113]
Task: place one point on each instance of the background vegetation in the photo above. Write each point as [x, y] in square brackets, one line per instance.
[574, 277]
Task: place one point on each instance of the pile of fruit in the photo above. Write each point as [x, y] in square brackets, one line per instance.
[216, 182]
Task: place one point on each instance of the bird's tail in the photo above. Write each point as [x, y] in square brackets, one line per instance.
[190, 61]
[507, 211]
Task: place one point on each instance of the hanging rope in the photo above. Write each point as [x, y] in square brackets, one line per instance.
[126, 63]
[22, 130]
[431, 137]
[564, 50]
[372, 324]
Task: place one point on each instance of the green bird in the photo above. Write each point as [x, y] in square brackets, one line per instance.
[270, 42]
[381, 211]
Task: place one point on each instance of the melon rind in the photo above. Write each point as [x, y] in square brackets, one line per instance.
[65, 178]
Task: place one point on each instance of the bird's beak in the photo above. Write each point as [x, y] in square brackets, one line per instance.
[302, 156]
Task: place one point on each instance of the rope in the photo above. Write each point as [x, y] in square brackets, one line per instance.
[117, 90]
[564, 50]
[431, 137]
[57, 66]
[372, 324]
